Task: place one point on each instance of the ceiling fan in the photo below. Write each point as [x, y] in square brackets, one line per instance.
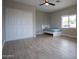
[47, 3]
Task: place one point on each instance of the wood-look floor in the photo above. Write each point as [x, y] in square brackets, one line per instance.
[41, 47]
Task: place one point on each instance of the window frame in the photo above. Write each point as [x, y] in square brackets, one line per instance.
[68, 22]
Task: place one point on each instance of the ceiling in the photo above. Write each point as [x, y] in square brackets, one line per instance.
[49, 8]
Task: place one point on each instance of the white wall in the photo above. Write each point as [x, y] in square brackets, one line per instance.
[3, 24]
[56, 20]
[41, 19]
[19, 21]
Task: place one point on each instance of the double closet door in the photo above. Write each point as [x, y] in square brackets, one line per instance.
[18, 24]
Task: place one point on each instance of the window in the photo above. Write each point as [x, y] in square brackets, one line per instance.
[72, 21]
[69, 21]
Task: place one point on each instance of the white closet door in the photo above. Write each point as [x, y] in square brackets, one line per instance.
[10, 24]
[19, 24]
[24, 22]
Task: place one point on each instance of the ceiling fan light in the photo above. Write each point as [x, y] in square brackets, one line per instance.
[46, 4]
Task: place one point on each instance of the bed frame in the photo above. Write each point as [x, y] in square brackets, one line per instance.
[55, 33]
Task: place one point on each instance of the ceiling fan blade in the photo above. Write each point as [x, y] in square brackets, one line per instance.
[52, 4]
[42, 4]
[58, 1]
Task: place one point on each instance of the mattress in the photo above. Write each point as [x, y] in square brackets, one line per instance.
[52, 30]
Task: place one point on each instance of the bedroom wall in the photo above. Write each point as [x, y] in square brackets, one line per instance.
[42, 18]
[3, 24]
[56, 20]
[19, 21]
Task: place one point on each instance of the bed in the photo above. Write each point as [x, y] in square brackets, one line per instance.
[54, 31]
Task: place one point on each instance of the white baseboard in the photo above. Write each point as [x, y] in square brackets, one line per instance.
[73, 36]
[19, 38]
[34, 36]
[39, 33]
